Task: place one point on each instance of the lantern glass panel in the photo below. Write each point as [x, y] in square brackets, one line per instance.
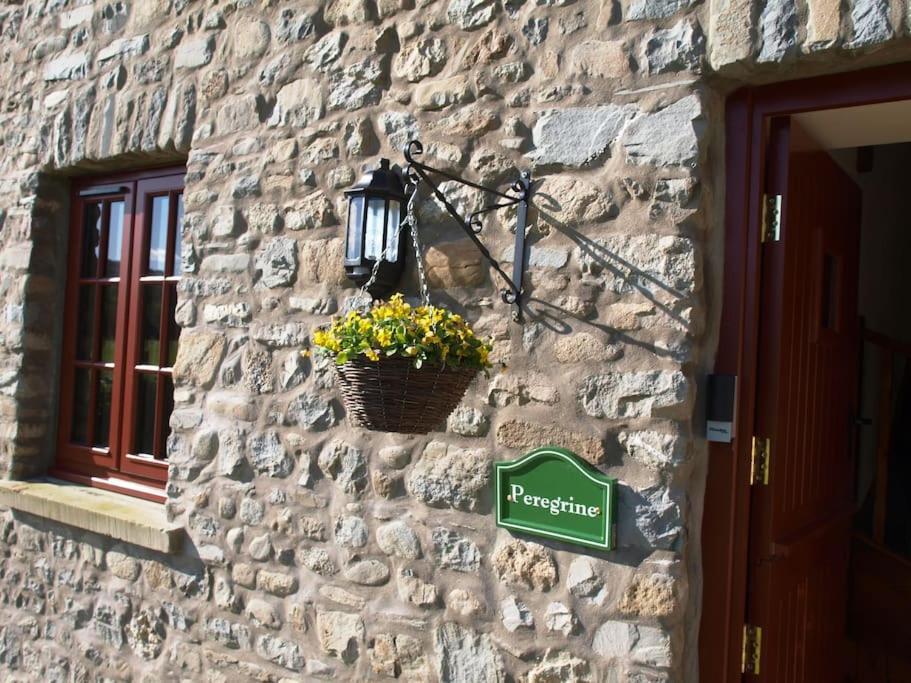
[355, 228]
[376, 222]
[392, 233]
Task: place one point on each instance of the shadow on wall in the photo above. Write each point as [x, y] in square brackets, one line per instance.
[94, 588]
[671, 255]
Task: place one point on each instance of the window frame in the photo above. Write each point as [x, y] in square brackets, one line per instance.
[114, 467]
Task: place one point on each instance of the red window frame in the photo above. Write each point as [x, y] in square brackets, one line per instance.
[117, 462]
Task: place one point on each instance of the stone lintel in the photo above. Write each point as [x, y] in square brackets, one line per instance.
[115, 515]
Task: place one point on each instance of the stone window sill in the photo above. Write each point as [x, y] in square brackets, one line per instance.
[115, 515]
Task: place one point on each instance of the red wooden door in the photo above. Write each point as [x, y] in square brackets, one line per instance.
[806, 396]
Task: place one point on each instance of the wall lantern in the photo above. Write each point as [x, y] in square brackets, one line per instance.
[375, 212]
[376, 206]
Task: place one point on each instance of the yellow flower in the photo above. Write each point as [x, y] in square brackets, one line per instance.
[371, 354]
[384, 337]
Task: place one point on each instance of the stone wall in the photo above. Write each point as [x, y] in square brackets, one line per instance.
[315, 549]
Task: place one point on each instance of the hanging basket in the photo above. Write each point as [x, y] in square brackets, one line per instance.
[391, 395]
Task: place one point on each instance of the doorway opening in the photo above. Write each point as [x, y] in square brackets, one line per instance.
[808, 559]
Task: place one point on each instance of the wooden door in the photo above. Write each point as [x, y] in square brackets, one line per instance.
[806, 396]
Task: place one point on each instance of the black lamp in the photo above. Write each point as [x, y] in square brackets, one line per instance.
[376, 207]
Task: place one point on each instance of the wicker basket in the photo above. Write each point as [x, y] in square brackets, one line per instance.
[391, 395]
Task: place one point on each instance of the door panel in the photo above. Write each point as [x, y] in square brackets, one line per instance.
[800, 521]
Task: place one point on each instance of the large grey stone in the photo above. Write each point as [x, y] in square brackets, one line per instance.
[464, 656]
[397, 539]
[368, 573]
[653, 449]
[124, 47]
[351, 532]
[356, 86]
[870, 23]
[656, 9]
[471, 14]
[194, 53]
[668, 137]
[422, 58]
[312, 412]
[326, 50]
[649, 518]
[448, 476]
[678, 48]
[67, 68]
[640, 644]
[454, 551]
[298, 104]
[249, 39]
[277, 261]
[340, 634]
[268, 456]
[399, 128]
[577, 136]
[467, 421]
[778, 25]
[279, 335]
[344, 464]
[620, 395]
[282, 652]
[515, 614]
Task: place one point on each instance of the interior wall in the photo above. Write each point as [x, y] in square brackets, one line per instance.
[884, 285]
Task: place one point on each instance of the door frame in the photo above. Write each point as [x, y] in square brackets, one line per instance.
[726, 516]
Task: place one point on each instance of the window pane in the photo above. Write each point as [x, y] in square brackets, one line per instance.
[164, 421]
[144, 441]
[158, 238]
[173, 329]
[79, 431]
[376, 216]
[355, 223]
[102, 415]
[151, 325]
[178, 237]
[85, 324]
[108, 322]
[91, 239]
[115, 240]
[392, 243]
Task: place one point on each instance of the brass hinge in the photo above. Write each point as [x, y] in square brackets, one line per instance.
[752, 649]
[759, 461]
[771, 217]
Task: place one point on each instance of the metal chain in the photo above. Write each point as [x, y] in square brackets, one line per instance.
[411, 218]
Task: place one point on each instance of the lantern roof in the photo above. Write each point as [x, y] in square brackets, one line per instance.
[380, 181]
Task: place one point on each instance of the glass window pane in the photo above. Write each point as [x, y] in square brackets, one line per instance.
[91, 239]
[158, 236]
[178, 237]
[376, 217]
[102, 417]
[164, 425]
[147, 386]
[173, 329]
[355, 223]
[108, 322]
[85, 324]
[115, 240]
[392, 242]
[150, 341]
[79, 431]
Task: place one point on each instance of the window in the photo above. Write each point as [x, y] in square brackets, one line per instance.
[120, 335]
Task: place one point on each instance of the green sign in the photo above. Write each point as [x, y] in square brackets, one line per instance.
[553, 493]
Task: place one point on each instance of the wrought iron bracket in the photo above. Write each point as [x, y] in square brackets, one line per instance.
[518, 194]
